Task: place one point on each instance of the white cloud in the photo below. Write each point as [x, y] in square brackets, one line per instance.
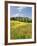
[18, 15]
[20, 8]
[15, 15]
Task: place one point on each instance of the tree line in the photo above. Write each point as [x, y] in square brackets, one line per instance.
[22, 19]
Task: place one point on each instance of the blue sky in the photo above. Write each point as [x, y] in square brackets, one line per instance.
[20, 11]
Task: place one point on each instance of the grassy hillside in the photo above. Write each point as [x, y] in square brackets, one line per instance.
[20, 30]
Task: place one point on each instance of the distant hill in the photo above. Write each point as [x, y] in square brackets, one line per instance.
[22, 19]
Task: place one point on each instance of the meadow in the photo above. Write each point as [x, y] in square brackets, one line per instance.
[20, 30]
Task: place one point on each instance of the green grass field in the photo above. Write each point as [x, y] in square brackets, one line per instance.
[20, 30]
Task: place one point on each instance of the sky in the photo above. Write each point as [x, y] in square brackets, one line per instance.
[20, 11]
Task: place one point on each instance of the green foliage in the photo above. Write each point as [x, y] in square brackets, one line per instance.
[22, 19]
